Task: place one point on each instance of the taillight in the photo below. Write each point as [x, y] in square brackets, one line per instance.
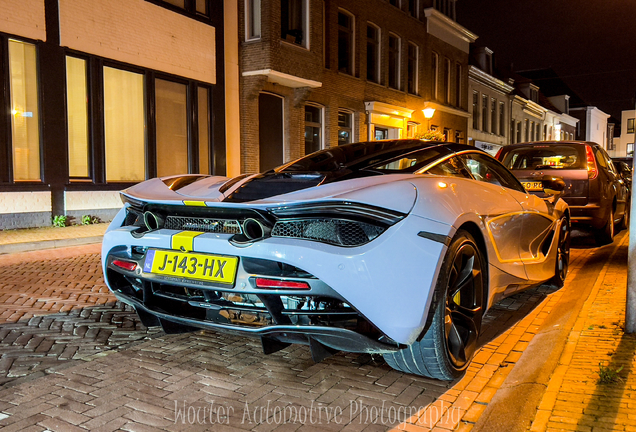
[592, 169]
[279, 283]
[499, 153]
[126, 265]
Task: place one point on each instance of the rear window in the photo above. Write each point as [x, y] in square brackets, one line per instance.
[545, 157]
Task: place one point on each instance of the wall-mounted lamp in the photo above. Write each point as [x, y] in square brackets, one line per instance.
[428, 112]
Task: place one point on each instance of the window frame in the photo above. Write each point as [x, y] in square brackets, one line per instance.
[304, 21]
[397, 62]
[632, 121]
[251, 19]
[351, 31]
[189, 9]
[89, 119]
[377, 51]
[447, 80]
[412, 82]
[484, 112]
[434, 75]
[350, 129]
[458, 85]
[320, 125]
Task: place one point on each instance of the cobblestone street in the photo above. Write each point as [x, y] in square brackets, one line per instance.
[74, 359]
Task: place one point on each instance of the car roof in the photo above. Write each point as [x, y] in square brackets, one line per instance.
[543, 143]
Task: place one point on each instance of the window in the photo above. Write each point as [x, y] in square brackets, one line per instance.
[395, 3]
[537, 128]
[630, 149]
[459, 137]
[313, 129]
[452, 167]
[447, 80]
[198, 7]
[458, 85]
[394, 62]
[25, 115]
[293, 17]
[475, 110]
[434, 76]
[381, 133]
[493, 116]
[513, 136]
[345, 42]
[124, 125]
[252, 19]
[532, 131]
[502, 119]
[527, 124]
[411, 129]
[519, 132]
[484, 113]
[486, 169]
[630, 125]
[413, 6]
[77, 117]
[345, 130]
[172, 131]
[447, 134]
[373, 53]
[204, 129]
[412, 68]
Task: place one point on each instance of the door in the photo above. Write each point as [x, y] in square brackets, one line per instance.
[270, 131]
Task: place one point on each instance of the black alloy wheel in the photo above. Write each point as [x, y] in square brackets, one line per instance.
[445, 350]
[463, 309]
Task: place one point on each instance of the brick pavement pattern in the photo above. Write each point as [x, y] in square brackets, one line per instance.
[576, 398]
[132, 378]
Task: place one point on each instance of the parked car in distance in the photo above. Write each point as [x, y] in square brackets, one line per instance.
[625, 170]
[628, 160]
[595, 191]
[393, 247]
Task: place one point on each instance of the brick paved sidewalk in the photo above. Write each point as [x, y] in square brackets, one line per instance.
[28, 239]
[594, 386]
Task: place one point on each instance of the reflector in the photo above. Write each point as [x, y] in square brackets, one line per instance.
[277, 283]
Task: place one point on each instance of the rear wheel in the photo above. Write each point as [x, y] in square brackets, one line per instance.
[563, 254]
[605, 235]
[449, 344]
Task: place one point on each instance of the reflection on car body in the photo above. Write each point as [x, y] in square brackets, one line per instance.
[394, 247]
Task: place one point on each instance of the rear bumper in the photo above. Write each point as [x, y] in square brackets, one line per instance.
[340, 339]
[591, 215]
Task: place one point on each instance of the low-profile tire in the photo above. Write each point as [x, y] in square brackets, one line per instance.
[605, 235]
[625, 220]
[563, 254]
[446, 349]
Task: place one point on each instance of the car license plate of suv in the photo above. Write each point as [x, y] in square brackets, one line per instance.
[211, 268]
[532, 186]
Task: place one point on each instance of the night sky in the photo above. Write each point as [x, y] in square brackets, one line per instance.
[591, 44]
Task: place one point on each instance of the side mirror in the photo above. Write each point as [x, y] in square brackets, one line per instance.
[552, 185]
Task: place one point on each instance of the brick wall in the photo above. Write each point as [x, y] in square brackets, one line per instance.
[338, 90]
[23, 18]
[129, 31]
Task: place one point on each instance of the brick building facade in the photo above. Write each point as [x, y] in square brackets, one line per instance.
[318, 73]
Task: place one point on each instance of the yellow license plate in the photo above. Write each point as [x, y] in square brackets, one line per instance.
[532, 186]
[211, 268]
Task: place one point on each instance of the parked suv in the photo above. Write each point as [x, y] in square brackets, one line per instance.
[596, 193]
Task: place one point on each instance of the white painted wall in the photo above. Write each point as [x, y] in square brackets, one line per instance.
[25, 202]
